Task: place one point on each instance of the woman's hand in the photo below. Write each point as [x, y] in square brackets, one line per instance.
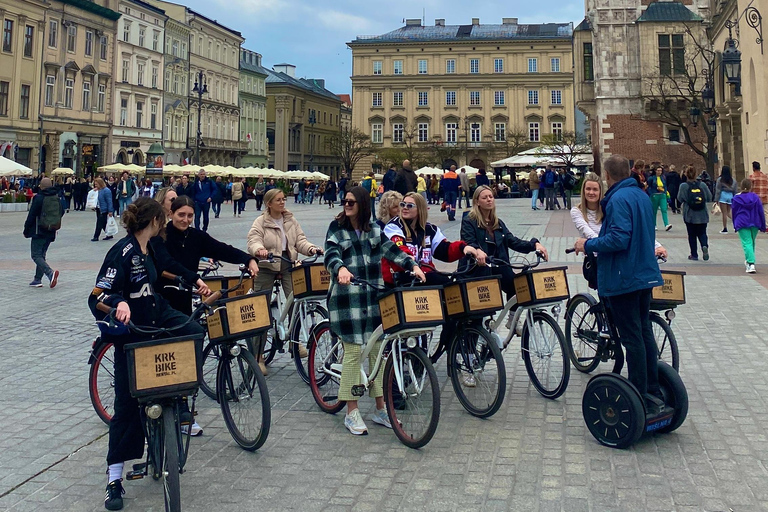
[123, 313]
[540, 248]
[420, 274]
[579, 245]
[315, 250]
[661, 251]
[202, 288]
[479, 255]
[262, 254]
[253, 268]
[345, 276]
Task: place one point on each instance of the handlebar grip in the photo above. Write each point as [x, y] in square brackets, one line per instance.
[168, 275]
[103, 308]
[569, 251]
[212, 298]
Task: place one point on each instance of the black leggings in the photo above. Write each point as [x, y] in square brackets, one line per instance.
[696, 232]
[101, 223]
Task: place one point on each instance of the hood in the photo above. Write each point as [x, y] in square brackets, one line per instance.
[405, 169]
[50, 191]
[749, 198]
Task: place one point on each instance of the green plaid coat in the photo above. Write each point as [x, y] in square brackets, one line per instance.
[354, 310]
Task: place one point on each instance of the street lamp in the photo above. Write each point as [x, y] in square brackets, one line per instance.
[712, 125]
[732, 63]
[694, 115]
[201, 87]
[708, 97]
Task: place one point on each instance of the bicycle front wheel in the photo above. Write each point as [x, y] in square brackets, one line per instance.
[665, 341]
[243, 398]
[314, 315]
[171, 485]
[414, 413]
[326, 354]
[101, 381]
[271, 339]
[582, 333]
[478, 374]
[544, 356]
[211, 356]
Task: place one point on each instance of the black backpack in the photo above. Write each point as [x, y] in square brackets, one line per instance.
[569, 180]
[697, 200]
[50, 215]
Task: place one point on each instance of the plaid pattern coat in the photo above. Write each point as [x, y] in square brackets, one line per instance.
[354, 310]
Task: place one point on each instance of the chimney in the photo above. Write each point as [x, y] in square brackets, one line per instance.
[475, 21]
[413, 22]
[440, 22]
[509, 21]
[288, 69]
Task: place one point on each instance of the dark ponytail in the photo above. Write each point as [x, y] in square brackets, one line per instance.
[140, 214]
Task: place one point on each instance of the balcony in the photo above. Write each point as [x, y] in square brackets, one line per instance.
[228, 145]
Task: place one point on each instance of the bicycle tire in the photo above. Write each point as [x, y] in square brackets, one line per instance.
[581, 339]
[547, 390]
[475, 353]
[272, 343]
[101, 381]
[301, 367]
[244, 384]
[325, 387]
[667, 345]
[415, 364]
[171, 485]
[210, 370]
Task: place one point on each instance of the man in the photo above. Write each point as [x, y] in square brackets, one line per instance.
[533, 182]
[369, 184]
[185, 188]
[125, 190]
[760, 185]
[567, 181]
[389, 178]
[343, 187]
[218, 198]
[405, 181]
[550, 180]
[627, 271]
[450, 191]
[204, 191]
[673, 186]
[43, 220]
[464, 185]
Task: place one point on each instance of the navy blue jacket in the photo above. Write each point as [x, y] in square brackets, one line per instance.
[389, 181]
[625, 245]
[204, 190]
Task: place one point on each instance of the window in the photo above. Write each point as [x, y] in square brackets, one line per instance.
[7, 35]
[155, 71]
[450, 98]
[69, 92]
[175, 48]
[557, 97]
[474, 65]
[153, 116]
[475, 132]
[533, 65]
[557, 130]
[50, 84]
[102, 97]
[533, 97]
[671, 54]
[423, 99]
[498, 98]
[422, 67]
[554, 64]
[498, 65]
[4, 86]
[376, 99]
[589, 72]
[29, 40]
[86, 94]
[139, 113]
[673, 134]
[155, 40]
[126, 69]
[450, 132]
[184, 52]
[140, 68]
[474, 98]
[53, 34]
[127, 31]
[103, 48]
[450, 66]
[533, 132]
[123, 111]
[71, 38]
[397, 99]
[142, 35]
[423, 132]
[500, 132]
[377, 133]
[88, 43]
[377, 67]
[398, 67]
[167, 80]
[397, 132]
[24, 102]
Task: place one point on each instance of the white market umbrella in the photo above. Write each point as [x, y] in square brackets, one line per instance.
[429, 170]
[62, 171]
[10, 168]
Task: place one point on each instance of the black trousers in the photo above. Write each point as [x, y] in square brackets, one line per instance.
[126, 433]
[101, 223]
[696, 232]
[259, 201]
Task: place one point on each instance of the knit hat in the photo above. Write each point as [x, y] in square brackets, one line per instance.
[46, 183]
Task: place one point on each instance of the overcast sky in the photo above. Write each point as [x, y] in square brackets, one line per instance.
[312, 34]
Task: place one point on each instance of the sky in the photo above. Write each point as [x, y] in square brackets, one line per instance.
[312, 34]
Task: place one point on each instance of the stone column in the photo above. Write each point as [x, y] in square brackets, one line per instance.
[282, 113]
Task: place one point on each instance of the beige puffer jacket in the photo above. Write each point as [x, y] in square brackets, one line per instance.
[265, 234]
[237, 191]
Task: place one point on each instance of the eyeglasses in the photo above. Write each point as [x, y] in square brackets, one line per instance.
[409, 206]
[348, 202]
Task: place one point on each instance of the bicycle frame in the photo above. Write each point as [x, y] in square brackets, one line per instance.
[298, 313]
[495, 323]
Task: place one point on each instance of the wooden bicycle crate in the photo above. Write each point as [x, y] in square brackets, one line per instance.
[541, 286]
[411, 307]
[672, 292]
[236, 318]
[219, 283]
[479, 296]
[166, 367]
[310, 280]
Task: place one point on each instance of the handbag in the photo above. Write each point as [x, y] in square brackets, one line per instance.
[716, 209]
[111, 229]
[589, 270]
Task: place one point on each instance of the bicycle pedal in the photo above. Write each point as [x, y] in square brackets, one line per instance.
[358, 390]
[134, 475]
[281, 351]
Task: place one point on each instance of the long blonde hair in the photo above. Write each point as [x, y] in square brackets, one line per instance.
[421, 209]
[477, 216]
[583, 204]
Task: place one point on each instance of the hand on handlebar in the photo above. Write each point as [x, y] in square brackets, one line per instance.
[345, 276]
[262, 254]
[661, 252]
[479, 255]
[253, 268]
[420, 274]
[542, 251]
[202, 288]
[123, 313]
[579, 245]
[315, 250]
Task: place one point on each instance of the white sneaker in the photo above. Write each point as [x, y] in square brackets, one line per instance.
[468, 380]
[355, 424]
[746, 266]
[381, 417]
[197, 430]
[751, 269]
[668, 227]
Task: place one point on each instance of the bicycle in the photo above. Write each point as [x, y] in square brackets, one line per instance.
[407, 369]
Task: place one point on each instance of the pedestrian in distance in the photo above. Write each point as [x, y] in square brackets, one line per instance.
[534, 181]
[694, 195]
[185, 188]
[369, 184]
[147, 189]
[389, 178]
[549, 181]
[218, 197]
[125, 190]
[405, 181]
[673, 186]
[258, 191]
[760, 185]
[43, 220]
[748, 219]
[725, 189]
[421, 186]
[465, 190]
[568, 182]
[103, 210]
[204, 191]
[238, 197]
[657, 189]
[331, 193]
[482, 178]
[451, 188]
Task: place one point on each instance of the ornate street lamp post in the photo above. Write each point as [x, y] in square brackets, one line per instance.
[201, 87]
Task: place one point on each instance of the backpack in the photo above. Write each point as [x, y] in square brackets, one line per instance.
[549, 179]
[697, 201]
[50, 215]
[367, 183]
[569, 181]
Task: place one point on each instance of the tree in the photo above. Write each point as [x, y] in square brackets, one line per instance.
[439, 151]
[566, 146]
[515, 141]
[349, 145]
[409, 149]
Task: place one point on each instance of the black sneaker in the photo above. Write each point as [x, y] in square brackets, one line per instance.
[113, 499]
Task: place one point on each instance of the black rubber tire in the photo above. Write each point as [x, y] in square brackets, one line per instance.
[547, 391]
[665, 341]
[316, 315]
[476, 346]
[417, 359]
[675, 395]
[211, 355]
[325, 389]
[243, 383]
[271, 343]
[101, 381]
[582, 332]
[171, 485]
[613, 410]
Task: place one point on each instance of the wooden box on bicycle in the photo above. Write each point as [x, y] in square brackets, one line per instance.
[164, 367]
[477, 296]
[541, 286]
[411, 308]
[237, 318]
[310, 280]
[671, 293]
[219, 283]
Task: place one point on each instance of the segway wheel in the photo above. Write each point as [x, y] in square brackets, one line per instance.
[613, 410]
[675, 395]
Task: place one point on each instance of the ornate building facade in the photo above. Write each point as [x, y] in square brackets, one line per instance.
[253, 109]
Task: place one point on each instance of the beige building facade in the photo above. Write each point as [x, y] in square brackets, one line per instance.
[253, 109]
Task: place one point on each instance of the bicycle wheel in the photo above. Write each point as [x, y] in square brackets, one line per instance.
[170, 450]
[243, 398]
[271, 339]
[211, 355]
[314, 315]
[155, 443]
[544, 356]
[325, 352]
[478, 374]
[582, 333]
[101, 380]
[415, 415]
[665, 341]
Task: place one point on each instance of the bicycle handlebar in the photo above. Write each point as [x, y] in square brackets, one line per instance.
[659, 257]
[307, 261]
[495, 262]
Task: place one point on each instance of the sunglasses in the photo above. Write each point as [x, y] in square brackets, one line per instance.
[409, 206]
[348, 202]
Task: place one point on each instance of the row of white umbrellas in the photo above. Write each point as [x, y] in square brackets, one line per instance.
[542, 156]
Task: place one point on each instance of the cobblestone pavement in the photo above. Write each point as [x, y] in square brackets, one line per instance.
[534, 454]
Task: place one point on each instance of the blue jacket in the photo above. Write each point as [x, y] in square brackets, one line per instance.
[625, 246]
[105, 201]
[204, 190]
[653, 185]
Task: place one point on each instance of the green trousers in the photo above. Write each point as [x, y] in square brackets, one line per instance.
[350, 372]
[748, 237]
[660, 201]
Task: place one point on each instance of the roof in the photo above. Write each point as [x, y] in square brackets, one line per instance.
[584, 25]
[276, 77]
[148, 6]
[345, 98]
[95, 8]
[668, 12]
[420, 33]
[254, 68]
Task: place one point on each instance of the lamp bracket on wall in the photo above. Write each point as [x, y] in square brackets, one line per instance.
[755, 20]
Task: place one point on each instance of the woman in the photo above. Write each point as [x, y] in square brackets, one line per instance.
[483, 230]
[238, 196]
[673, 187]
[321, 192]
[434, 189]
[127, 282]
[389, 207]
[657, 189]
[147, 190]
[68, 190]
[331, 193]
[258, 191]
[103, 210]
[638, 172]
[482, 178]
[695, 195]
[725, 189]
[277, 231]
[354, 248]
[748, 219]
[421, 186]
[165, 197]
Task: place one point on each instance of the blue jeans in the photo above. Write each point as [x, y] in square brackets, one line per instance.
[534, 197]
[203, 208]
[124, 202]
